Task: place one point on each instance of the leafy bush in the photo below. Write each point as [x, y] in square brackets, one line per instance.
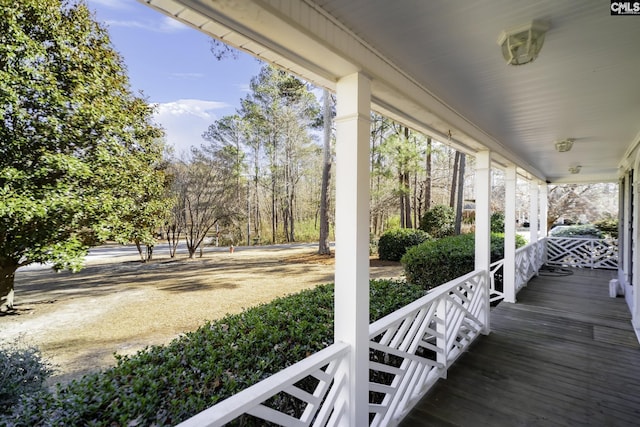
[587, 231]
[608, 226]
[439, 221]
[394, 243]
[497, 222]
[434, 263]
[164, 385]
[22, 371]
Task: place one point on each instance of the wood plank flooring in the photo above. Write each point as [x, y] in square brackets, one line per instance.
[564, 355]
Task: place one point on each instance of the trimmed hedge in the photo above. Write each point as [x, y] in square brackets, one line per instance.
[497, 222]
[436, 262]
[164, 385]
[394, 243]
[439, 221]
[587, 231]
[608, 227]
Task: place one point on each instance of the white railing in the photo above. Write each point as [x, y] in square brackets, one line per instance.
[528, 261]
[322, 405]
[582, 253]
[414, 346]
[409, 350]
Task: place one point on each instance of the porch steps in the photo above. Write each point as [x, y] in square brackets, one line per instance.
[564, 354]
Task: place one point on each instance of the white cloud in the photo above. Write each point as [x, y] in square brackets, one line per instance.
[187, 76]
[185, 120]
[113, 4]
[167, 25]
[244, 87]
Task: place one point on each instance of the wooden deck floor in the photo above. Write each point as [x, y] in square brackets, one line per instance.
[564, 355]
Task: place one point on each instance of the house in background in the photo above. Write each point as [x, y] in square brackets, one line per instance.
[548, 91]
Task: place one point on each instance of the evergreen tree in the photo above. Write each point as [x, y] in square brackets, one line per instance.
[77, 149]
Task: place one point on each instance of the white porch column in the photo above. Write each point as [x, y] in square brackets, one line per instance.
[634, 194]
[483, 223]
[534, 216]
[509, 270]
[544, 208]
[352, 239]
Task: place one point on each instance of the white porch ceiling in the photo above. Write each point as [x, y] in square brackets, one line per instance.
[436, 66]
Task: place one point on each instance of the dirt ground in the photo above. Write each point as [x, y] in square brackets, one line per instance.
[79, 320]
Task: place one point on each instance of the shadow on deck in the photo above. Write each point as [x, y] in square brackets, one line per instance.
[564, 354]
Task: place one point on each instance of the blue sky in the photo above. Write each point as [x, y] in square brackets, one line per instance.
[171, 64]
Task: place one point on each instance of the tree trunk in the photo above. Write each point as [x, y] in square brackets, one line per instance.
[407, 200]
[427, 181]
[454, 181]
[7, 278]
[416, 201]
[406, 187]
[323, 246]
[144, 256]
[274, 216]
[459, 205]
[173, 238]
[402, 199]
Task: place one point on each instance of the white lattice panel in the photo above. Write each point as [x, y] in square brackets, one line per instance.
[528, 261]
[413, 347]
[582, 253]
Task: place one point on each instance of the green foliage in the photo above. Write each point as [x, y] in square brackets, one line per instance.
[439, 221]
[587, 231]
[22, 371]
[608, 226]
[394, 243]
[497, 222]
[434, 263]
[164, 385]
[308, 230]
[75, 145]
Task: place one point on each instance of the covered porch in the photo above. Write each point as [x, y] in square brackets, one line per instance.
[436, 67]
[565, 354]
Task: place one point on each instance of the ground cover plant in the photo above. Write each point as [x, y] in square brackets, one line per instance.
[164, 385]
[23, 370]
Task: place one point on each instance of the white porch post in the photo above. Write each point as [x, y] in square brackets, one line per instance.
[509, 269]
[483, 224]
[634, 194]
[352, 239]
[544, 208]
[534, 200]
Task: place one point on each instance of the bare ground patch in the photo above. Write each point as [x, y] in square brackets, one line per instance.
[79, 320]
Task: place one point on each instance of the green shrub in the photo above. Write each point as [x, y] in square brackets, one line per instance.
[439, 221]
[164, 385]
[434, 263]
[394, 243]
[587, 231]
[608, 226]
[497, 222]
[22, 371]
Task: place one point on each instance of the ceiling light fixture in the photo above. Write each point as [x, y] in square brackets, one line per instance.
[575, 169]
[564, 145]
[522, 45]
